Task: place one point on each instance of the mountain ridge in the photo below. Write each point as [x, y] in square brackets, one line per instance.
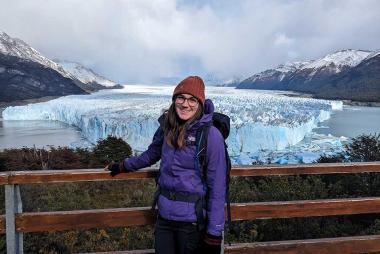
[325, 77]
[26, 74]
[87, 76]
[22, 79]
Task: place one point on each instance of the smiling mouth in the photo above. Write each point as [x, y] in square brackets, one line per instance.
[185, 110]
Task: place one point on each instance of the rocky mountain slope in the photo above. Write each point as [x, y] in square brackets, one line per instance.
[22, 79]
[87, 76]
[346, 74]
[26, 74]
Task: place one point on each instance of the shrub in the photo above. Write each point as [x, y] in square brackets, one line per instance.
[331, 158]
[112, 149]
[3, 160]
[364, 148]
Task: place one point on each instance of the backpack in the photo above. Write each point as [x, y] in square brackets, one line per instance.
[222, 123]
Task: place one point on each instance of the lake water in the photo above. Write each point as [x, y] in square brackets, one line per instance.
[15, 134]
[350, 122]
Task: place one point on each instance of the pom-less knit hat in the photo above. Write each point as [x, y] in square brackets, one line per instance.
[191, 85]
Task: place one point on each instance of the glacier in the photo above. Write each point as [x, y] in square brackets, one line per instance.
[265, 125]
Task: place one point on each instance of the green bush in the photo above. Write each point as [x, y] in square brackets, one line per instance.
[361, 148]
[364, 148]
[3, 161]
[337, 158]
[112, 149]
[104, 152]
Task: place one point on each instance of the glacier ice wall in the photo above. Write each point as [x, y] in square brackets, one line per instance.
[260, 120]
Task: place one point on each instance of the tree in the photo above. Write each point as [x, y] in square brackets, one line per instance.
[364, 148]
[112, 149]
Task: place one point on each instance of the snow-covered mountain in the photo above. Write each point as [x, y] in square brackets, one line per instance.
[86, 75]
[27, 74]
[311, 76]
[277, 74]
[232, 82]
[339, 60]
[18, 48]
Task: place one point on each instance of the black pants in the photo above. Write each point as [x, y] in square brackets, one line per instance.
[175, 237]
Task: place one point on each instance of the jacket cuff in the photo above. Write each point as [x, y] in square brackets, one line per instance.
[212, 239]
[212, 229]
[126, 166]
[121, 167]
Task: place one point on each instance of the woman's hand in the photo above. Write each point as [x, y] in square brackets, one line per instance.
[115, 168]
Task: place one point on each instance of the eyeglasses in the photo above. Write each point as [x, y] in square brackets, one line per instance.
[192, 101]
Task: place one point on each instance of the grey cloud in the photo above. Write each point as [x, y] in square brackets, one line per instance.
[139, 40]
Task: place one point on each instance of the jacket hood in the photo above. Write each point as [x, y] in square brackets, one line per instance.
[208, 112]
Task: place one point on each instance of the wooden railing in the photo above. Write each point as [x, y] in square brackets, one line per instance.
[15, 222]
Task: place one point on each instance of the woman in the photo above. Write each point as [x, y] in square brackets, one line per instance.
[190, 212]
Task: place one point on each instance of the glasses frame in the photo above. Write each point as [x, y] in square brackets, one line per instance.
[190, 102]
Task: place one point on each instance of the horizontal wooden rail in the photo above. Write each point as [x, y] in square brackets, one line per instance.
[73, 175]
[122, 217]
[307, 169]
[346, 245]
[80, 175]
[148, 251]
[4, 178]
[305, 208]
[84, 219]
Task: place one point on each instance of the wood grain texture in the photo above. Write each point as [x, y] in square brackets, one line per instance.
[80, 175]
[86, 219]
[346, 245]
[304, 208]
[301, 169]
[148, 251]
[4, 178]
[341, 245]
[74, 175]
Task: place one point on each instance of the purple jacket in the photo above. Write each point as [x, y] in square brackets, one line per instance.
[178, 172]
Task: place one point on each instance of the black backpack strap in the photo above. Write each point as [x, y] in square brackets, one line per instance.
[201, 151]
[156, 195]
[201, 142]
[201, 148]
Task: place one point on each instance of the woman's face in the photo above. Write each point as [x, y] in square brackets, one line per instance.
[186, 106]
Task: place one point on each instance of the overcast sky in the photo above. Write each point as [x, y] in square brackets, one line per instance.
[140, 40]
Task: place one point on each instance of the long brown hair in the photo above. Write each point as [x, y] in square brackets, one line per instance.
[175, 127]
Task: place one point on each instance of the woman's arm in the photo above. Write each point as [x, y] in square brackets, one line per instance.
[149, 157]
[216, 181]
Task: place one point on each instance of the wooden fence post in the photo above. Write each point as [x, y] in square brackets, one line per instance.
[222, 250]
[13, 205]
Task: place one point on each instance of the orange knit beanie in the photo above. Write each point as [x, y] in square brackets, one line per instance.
[191, 85]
